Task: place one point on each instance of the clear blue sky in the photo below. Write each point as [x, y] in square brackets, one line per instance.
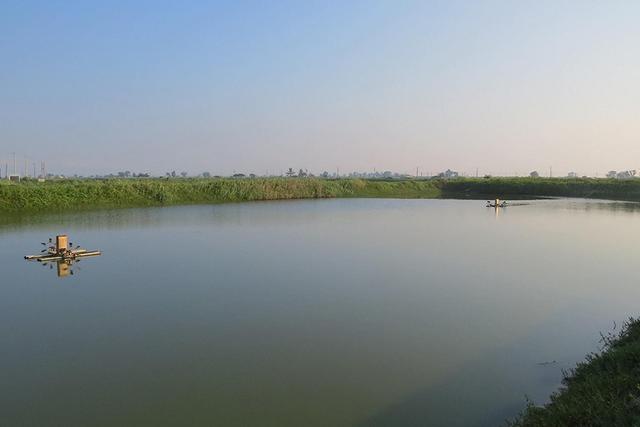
[504, 86]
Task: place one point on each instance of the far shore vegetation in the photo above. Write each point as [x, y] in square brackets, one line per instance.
[69, 194]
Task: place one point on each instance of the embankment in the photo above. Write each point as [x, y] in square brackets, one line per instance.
[602, 391]
[595, 188]
[61, 195]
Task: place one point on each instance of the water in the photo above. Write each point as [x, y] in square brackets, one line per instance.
[310, 313]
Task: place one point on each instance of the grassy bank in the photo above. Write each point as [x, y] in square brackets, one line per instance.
[596, 188]
[602, 391]
[79, 194]
[83, 194]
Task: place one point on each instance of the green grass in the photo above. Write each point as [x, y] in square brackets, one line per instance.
[596, 188]
[603, 391]
[63, 195]
[70, 194]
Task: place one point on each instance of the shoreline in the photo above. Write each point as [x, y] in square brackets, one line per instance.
[602, 390]
[90, 194]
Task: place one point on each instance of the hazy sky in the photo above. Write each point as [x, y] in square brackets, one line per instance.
[504, 86]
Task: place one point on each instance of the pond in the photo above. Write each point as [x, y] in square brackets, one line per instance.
[350, 312]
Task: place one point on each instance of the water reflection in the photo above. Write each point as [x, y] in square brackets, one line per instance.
[231, 214]
[63, 268]
[237, 214]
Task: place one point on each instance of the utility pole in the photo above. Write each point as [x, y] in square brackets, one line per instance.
[14, 163]
[550, 172]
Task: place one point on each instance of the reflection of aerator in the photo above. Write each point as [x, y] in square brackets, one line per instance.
[63, 253]
[64, 268]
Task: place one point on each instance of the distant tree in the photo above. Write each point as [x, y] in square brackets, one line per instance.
[206, 174]
[183, 174]
[448, 174]
[252, 175]
[168, 174]
[290, 173]
[534, 174]
[173, 174]
[325, 174]
[572, 175]
[301, 174]
[238, 175]
[127, 174]
[121, 175]
[612, 174]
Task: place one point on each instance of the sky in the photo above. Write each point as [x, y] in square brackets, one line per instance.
[503, 87]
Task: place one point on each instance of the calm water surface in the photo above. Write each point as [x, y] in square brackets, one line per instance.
[310, 313]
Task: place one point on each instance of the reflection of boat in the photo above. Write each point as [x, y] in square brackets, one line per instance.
[497, 203]
[64, 267]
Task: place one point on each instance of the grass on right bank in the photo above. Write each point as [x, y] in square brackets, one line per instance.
[604, 390]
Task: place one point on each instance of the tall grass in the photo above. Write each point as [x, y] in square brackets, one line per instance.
[78, 194]
[90, 193]
[559, 187]
[603, 391]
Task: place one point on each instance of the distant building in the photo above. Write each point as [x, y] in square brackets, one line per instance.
[626, 174]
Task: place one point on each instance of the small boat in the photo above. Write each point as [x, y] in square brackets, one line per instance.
[497, 203]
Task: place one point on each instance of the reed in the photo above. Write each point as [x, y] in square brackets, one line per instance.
[63, 195]
[597, 188]
[70, 194]
[604, 390]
